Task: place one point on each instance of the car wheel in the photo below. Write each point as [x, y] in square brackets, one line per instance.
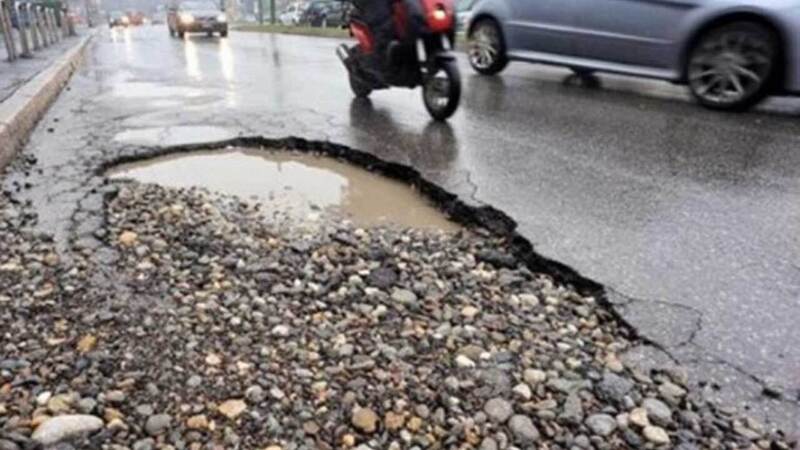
[486, 48]
[734, 66]
[171, 32]
[181, 34]
[223, 33]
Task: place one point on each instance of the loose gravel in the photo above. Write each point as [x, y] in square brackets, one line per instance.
[203, 322]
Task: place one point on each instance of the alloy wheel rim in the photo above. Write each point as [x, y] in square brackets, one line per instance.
[484, 47]
[731, 67]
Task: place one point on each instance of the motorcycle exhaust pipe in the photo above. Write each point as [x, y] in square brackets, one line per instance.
[344, 54]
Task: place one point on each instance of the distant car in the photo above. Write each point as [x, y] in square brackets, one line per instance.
[136, 18]
[291, 15]
[197, 16]
[731, 53]
[324, 13]
[118, 19]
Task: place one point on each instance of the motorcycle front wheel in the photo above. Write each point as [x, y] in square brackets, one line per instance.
[441, 90]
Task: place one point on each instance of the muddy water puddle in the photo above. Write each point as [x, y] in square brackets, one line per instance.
[301, 185]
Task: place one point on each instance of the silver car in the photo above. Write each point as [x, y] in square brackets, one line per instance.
[731, 53]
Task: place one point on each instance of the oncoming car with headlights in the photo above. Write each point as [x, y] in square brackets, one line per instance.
[197, 16]
[118, 19]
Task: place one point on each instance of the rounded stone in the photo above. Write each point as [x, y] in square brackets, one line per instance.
[56, 429]
[525, 432]
[601, 424]
[656, 435]
[498, 410]
[157, 424]
[365, 420]
[658, 412]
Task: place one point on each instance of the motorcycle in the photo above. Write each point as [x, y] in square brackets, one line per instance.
[420, 56]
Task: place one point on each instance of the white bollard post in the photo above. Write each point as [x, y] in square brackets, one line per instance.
[23, 22]
[8, 30]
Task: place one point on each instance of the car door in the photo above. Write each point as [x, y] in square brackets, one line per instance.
[634, 32]
[544, 26]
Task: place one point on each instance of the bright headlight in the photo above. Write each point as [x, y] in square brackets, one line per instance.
[186, 18]
[222, 18]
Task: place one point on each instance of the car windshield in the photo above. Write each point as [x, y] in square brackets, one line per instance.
[199, 6]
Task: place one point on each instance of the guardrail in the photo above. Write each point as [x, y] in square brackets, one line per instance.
[30, 26]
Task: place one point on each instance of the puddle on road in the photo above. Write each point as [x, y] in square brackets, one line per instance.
[179, 135]
[297, 184]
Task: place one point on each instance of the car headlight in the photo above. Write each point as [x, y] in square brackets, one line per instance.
[222, 18]
[186, 18]
[125, 20]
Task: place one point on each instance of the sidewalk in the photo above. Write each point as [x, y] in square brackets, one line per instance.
[17, 73]
[29, 85]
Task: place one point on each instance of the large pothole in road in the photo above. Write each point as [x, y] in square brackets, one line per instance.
[300, 186]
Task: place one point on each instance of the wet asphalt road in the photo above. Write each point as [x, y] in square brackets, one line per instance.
[689, 217]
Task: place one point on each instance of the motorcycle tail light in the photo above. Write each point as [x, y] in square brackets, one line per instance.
[439, 13]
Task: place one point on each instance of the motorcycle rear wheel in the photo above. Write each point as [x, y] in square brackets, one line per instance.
[360, 88]
[441, 90]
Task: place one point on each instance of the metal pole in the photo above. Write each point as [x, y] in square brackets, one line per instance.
[8, 36]
[41, 25]
[261, 12]
[31, 11]
[23, 21]
[51, 22]
[71, 27]
[64, 26]
[272, 12]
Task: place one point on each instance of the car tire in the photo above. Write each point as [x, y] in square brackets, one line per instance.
[181, 33]
[734, 66]
[171, 32]
[486, 47]
[223, 33]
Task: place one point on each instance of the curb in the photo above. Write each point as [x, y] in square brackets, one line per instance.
[20, 112]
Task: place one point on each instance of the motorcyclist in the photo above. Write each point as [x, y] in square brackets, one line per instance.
[377, 15]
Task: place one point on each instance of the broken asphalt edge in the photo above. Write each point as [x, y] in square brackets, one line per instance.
[20, 112]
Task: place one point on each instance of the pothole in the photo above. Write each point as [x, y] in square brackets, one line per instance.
[301, 186]
[179, 135]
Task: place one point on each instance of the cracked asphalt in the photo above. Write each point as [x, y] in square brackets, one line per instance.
[688, 217]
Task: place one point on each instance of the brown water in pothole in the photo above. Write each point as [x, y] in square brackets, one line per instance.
[300, 185]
